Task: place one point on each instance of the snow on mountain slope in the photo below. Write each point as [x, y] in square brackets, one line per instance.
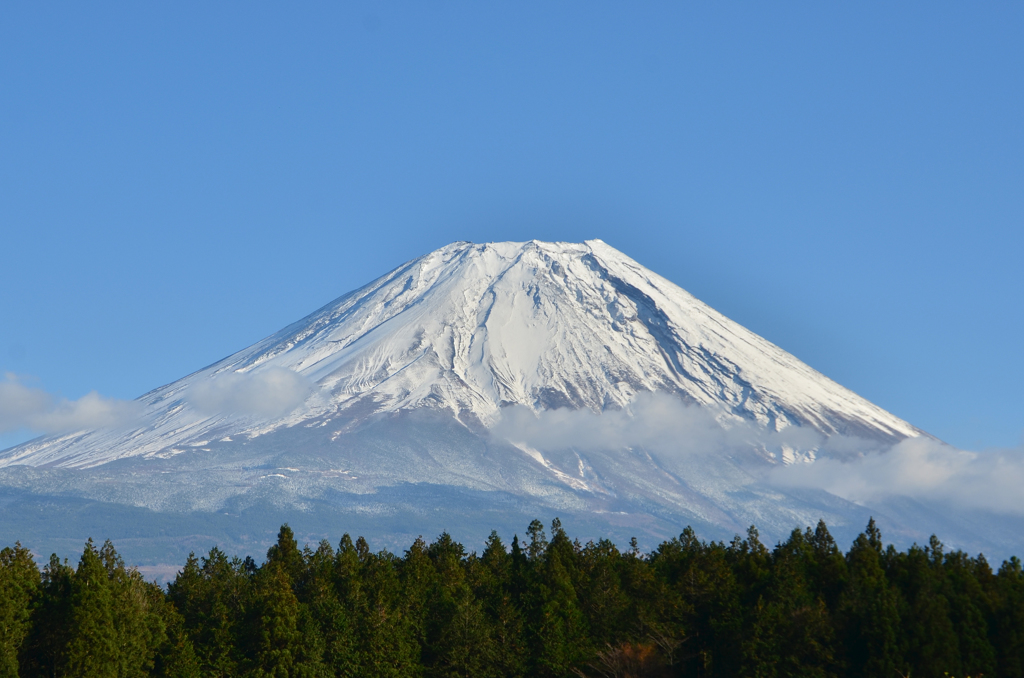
[469, 329]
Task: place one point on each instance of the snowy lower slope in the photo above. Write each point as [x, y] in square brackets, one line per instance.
[470, 329]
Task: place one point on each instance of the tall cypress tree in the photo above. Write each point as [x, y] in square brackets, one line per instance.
[827, 569]
[286, 555]
[559, 629]
[792, 632]
[176, 658]
[319, 594]
[492, 580]
[19, 584]
[418, 576]
[93, 647]
[1007, 594]
[458, 643]
[387, 637]
[140, 628]
[279, 648]
[44, 652]
[538, 541]
[651, 611]
[209, 594]
[970, 611]
[602, 599]
[554, 608]
[929, 641]
[352, 595]
[869, 611]
[706, 601]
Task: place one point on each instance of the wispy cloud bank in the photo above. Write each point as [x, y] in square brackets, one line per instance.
[862, 471]
[28, 407]
[921, 468]
[268, 393]
[656, 421]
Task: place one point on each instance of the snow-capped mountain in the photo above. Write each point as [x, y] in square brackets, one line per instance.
[469, 329]
[473, 388]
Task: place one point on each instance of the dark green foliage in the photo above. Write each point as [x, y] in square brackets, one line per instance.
[92, 648]
[44, 651]
[791, 630]
[552, 607]
[101, 619]
[869, 613]
[458, 639]
[387, 633]
[1006, 596]
[209, 595]
[491, 578]
[929, 641]
[558, 627]
[326, 612]
[19, 584]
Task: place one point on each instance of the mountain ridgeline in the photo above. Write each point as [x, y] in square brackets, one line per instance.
[547, 606]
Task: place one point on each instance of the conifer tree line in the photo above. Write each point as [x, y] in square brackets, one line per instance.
[547, 606]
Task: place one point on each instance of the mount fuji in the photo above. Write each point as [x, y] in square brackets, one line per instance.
[474, 387]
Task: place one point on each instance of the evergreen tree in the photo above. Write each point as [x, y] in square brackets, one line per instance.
[751, 563]
[970, 610]
[93, 650]
[521, 577]
[1006, 591]
[209, 594]
[418, 577]
[869, 612]
[792, 633]
[827, 569]
[706, 603]
[553, 608]
[44, 652]
[348, 584]
[19, 584]
[929, 641]
[492, 582]
[538, 541]
[319, 594]
[176, 658]
[457, 635]
[387, 637]
[559, 628]
[139, 625]
[285, 554]
[602, 599]
[653, 614]
[279, 647]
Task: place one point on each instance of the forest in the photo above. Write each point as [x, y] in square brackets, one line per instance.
[542, 606]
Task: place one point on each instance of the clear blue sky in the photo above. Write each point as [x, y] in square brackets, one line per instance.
[178, 180]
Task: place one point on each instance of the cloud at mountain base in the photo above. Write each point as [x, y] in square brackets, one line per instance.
[32, 408]
[268, 393]
[861, 471]
[920, 468]
[655, 421]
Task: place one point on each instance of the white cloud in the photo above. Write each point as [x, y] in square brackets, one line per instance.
[920, 468]
[27, 407]
[656, 421]
[268, 393]
[862, 471]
